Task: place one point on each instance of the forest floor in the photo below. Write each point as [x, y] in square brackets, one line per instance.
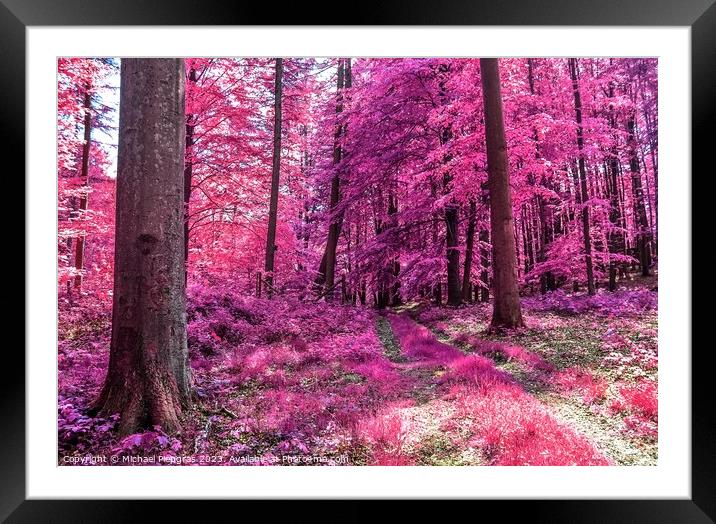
[283, 382]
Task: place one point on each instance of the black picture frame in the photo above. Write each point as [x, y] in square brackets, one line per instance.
[16, 15]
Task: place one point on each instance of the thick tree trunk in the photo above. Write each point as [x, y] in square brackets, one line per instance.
[188, 173]
[506, 312]
[148, 381]
[581, 190]
[469, 248]
[275, 174]
[84, 198]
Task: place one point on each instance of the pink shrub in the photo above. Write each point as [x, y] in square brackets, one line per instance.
[487, 348]
[639, 403]
[624, 303]
[386, 429]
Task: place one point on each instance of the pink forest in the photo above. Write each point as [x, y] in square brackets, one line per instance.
[357, 261]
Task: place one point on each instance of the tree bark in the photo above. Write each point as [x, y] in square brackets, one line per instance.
[615, 238]
[469, 248]
[275, 174]
[452, 254]
[506, 312]
[394, 264]
[581, 189]
[327, 276]
[485, 266]
[454, 297]
[188, 173]
[642, 223]
[84, 198]
[148, 381]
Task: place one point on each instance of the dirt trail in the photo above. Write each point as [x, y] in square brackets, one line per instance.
[417, 352]
[426, 412]
[600, 430]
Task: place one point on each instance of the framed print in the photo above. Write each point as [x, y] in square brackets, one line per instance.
[423, 253]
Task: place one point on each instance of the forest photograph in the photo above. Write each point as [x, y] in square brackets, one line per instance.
[356, 261]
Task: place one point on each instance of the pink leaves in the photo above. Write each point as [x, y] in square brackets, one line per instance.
[626, 303]
[640, 398]
[509, 425]
[513, 429]
[582, 381]
[387, 433]
[476, 371]
[638, 403]
[418, 343]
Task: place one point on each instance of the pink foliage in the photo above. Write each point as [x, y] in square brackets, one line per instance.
[509, 425]
[387, 434]
[476, 371]
[580, 380]
[418, 343]
[638, 403]
[640, 398]
[293, 374]
[513, 429]
[624, 303]
[501, 350]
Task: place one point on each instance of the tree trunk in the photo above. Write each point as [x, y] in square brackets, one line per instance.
[188, 173]
[546, 279]
[452, 254]
[506, 311]
[84, 198]
[469, 247]
[485, 265]
[334, 229]
[581, 190]
[394, 265]
[275, 174]
[454, 297]
[641, 221]
[148, 381]
[615, 238]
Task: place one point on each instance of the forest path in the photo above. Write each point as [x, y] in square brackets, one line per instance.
[600, 430]
[415, 347]
[424, 412]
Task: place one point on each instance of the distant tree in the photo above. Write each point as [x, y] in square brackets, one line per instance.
[581, 183]
[469, 247]
[327, 269]
[84, 176]
[275, 175]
